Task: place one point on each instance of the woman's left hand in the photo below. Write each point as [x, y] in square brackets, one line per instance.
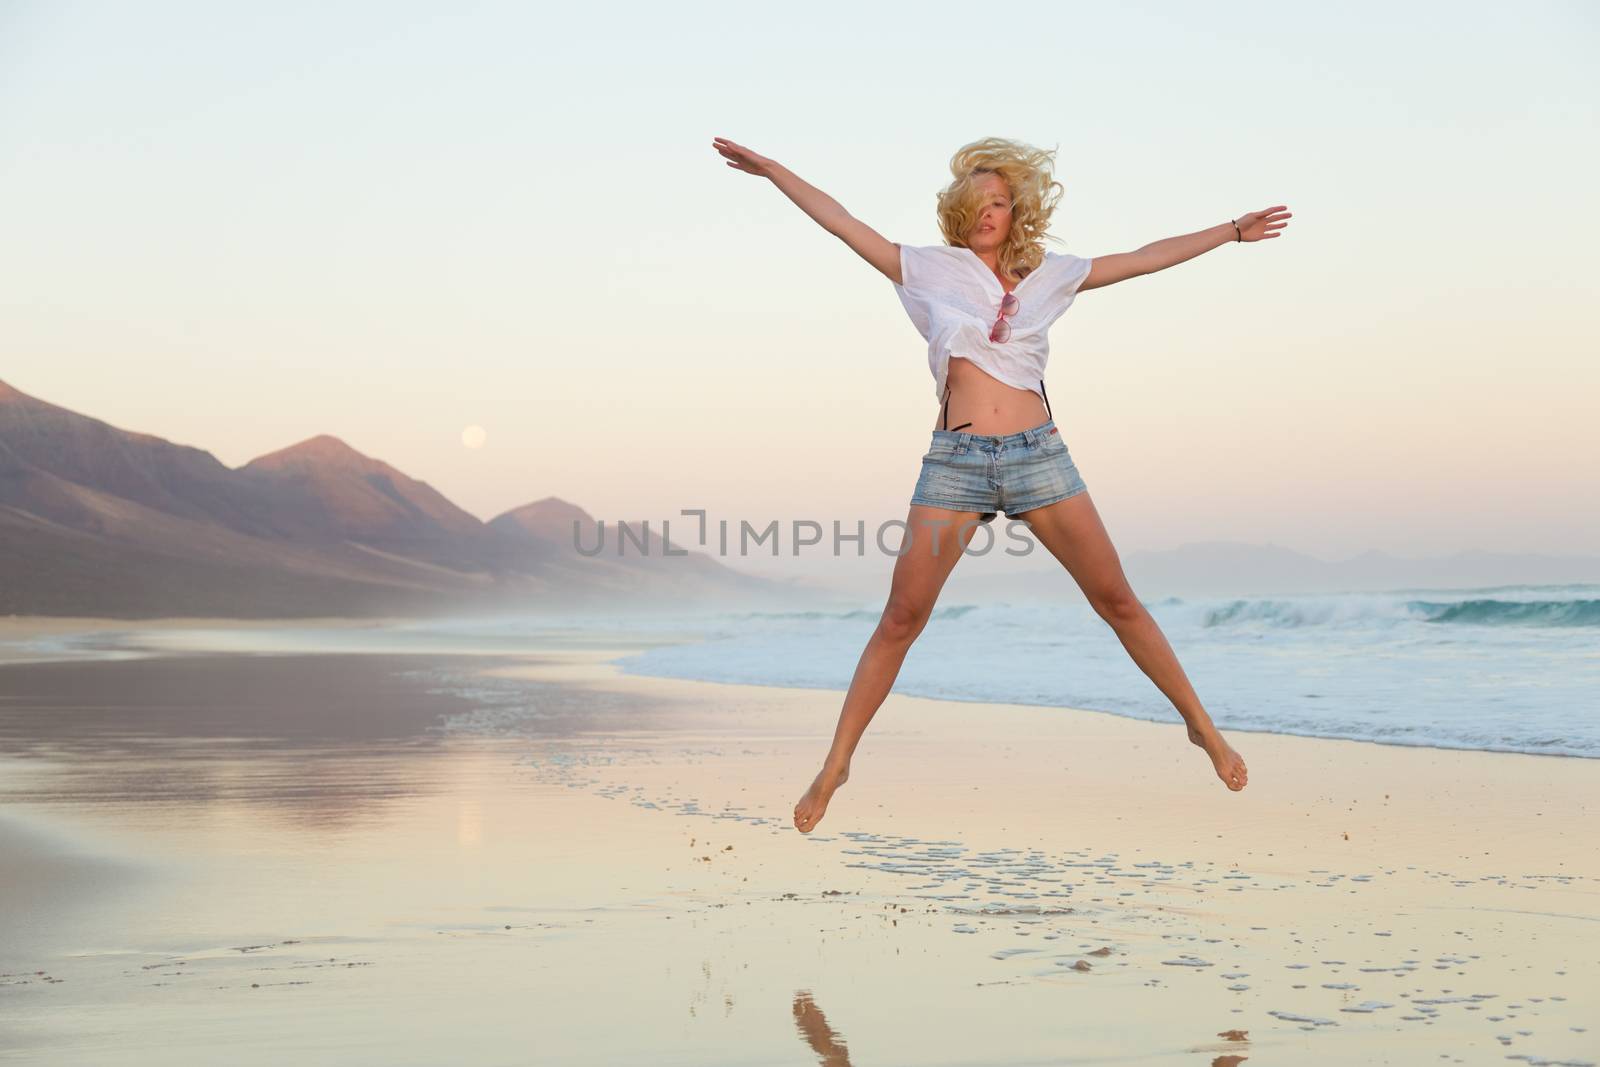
[1261, 225]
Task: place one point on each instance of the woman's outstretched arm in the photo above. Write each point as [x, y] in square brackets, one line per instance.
[828, 213]
[1170, 251]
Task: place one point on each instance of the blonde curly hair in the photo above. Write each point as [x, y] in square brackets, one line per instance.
[1034, 195]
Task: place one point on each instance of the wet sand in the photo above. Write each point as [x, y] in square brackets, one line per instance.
[494, 858]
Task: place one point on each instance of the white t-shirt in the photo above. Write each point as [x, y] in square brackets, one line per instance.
[953, 299]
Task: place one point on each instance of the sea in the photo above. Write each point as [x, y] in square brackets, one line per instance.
[1500, 669]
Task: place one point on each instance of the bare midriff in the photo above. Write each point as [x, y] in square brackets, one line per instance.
[993, 407]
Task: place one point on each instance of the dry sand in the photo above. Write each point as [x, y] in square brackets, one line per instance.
[592, 867]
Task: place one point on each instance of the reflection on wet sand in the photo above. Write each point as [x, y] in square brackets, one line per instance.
[833, 1051]
[319, 740]
[814, 1030]
[1233, 1040]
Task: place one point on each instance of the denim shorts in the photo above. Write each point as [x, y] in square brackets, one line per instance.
[1014, 473]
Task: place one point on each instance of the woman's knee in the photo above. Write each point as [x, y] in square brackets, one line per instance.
[903, 619]
[1116, 604]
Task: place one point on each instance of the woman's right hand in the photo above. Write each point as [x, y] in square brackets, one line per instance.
[824, 210]
[741, 158]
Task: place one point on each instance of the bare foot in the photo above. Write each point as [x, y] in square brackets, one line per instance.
[809, 811]
[1229, 764]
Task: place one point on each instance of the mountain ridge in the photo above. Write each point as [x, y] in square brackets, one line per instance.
[158, 527]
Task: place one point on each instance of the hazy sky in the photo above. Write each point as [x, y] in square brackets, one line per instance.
[237, 226]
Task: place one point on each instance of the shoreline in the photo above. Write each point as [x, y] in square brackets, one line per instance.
[1434, 787]
[1176, 720]
[22, 627]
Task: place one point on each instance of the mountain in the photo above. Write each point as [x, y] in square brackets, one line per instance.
[568, 538]
[97, 520]
[1227, 568]
[330, 492]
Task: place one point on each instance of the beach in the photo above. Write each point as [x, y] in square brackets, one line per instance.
[494, 856]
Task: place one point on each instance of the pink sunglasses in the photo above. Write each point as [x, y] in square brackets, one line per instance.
[1001, 331]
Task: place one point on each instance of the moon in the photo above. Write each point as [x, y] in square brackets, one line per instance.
[474, 436]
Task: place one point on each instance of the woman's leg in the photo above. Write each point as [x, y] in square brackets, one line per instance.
[1072, 531]
[933, 542]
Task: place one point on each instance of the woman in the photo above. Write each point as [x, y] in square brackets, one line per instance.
[984, 302]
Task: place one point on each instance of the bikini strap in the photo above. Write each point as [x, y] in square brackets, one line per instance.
[1046, 396]
[944, 422]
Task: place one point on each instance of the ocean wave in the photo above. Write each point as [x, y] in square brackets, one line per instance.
[1511, 612]
[1353, 609]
